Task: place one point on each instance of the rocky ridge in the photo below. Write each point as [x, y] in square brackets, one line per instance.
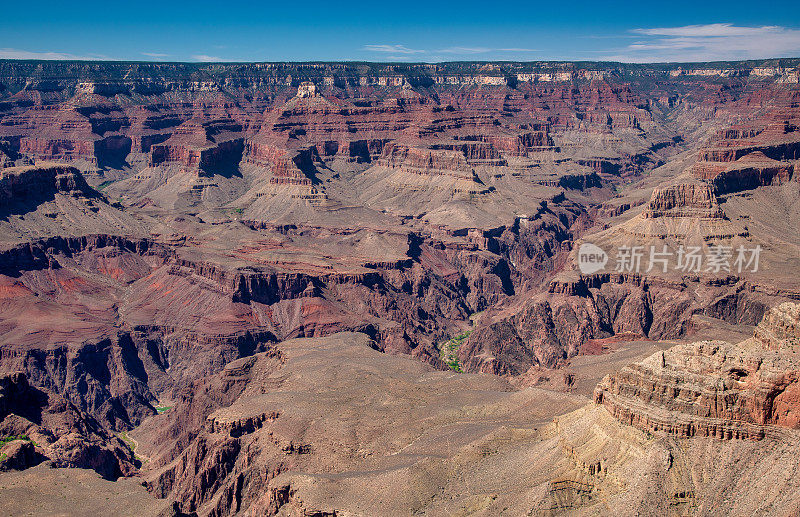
[714, 388]
[39, 425]
[205, 226]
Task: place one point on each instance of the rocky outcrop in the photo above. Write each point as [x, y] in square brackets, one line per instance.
[358, 151]
[691, 200]
[288, 167]
[202, 161]
[475, 153]
[714, 388]
[45, 426]
[58, 149]
[105, 379]
[40, 254]
[540, 334]
[580, 181]
[519, 145]
[202, 147]
[601, 166]
[423, 161]
[783, 151]
[780, 328]
[307, 89]
[31, 184]
[548, 329]
[748, 172]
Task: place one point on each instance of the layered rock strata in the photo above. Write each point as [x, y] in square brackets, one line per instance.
[713, 388]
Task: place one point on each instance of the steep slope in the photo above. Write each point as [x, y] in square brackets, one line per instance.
[325, 425]
[203, 238]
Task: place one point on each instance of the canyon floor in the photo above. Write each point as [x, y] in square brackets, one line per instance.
[336, 289]
[430, 442]
[331, 426]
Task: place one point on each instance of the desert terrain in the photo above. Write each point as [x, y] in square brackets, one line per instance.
[345, 289]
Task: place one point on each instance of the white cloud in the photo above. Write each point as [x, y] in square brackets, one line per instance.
[396, 49]
[155, 54]
[13, 53]
[465, 50]
[711, 42]
[403, 53]
[709, 30]
[206, 59]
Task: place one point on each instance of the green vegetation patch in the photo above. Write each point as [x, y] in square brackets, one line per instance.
[130, 443]
[448, 351]
[5, 439]
[127, 439]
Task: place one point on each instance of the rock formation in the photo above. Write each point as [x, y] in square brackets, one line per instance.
[38, 425]
[225, 260]
[713, 388]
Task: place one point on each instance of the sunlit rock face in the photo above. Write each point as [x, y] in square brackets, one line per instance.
[747, 390]
[295, 285]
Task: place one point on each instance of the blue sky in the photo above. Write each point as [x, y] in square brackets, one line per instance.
[411, 30]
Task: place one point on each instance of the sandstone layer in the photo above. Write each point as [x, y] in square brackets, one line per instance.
[293, 285]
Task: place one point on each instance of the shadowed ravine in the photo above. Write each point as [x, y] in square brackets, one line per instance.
[339, 289]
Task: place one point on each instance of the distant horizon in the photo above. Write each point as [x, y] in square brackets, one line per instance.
[419, 32]
[404, 63]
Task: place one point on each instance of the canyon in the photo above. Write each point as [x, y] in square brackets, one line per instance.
[356, 288]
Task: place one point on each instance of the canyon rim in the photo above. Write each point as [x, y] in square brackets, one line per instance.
[446, 288]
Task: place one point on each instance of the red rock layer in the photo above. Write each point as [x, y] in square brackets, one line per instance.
[20, 184]
[755, 152]
[432, 162]
[57, 431]
[684, 200]
[714, 388]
